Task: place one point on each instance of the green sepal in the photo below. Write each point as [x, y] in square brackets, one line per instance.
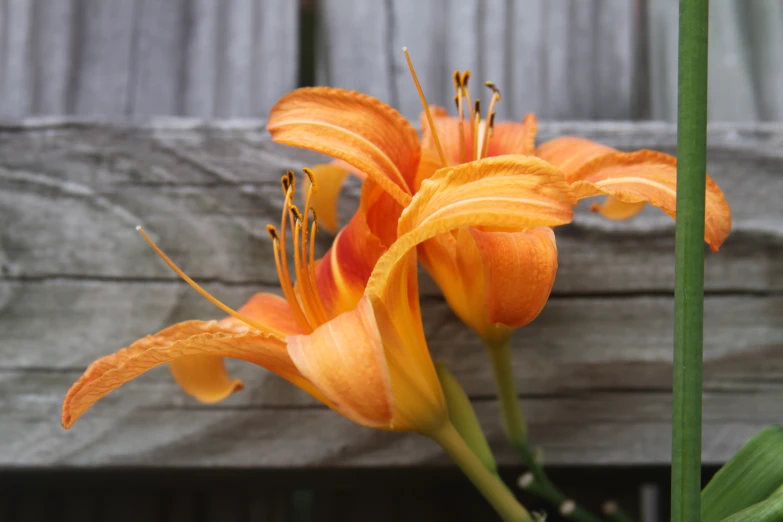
[463, 416]
[751, 476]
[769, 510]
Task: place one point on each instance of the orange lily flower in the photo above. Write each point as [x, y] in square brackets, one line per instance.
[369, 361]
[517, 268]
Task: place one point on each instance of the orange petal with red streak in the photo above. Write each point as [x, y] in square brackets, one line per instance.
[650, 176]
[344, 358]
[366, 133]
[190, 338]
[343, 272]
[514, 138]
[519, 270]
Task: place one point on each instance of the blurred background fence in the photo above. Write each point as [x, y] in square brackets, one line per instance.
[563, 59]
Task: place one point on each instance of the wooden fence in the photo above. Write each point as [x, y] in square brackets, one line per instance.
[76, 282]
[563, 59]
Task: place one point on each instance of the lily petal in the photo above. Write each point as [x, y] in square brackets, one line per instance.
[330, 179]
[507, 192]
[344, 358]
[570, 153]
[613, 208]
[190, 338]
[514, 138]
[204, 377]
[650, 176]
[343, 271]
[359, 129]
[447, 128]
[519, 270]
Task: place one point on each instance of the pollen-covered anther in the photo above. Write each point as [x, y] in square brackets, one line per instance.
[272, 231]
[494, 89]
[311, 176]
[295, 213]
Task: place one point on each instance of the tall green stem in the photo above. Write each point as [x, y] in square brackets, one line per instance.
[516, 431]
[493, 489]
[689, 267]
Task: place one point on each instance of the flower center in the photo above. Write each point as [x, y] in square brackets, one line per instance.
[303, 298]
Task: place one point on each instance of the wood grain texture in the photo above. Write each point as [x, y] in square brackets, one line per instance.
[141, 57]
[594, 370]
[521, 46]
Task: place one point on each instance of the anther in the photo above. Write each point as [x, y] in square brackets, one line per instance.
[456, 102]
[494, 89]
[295, 212]
[457, 81]
[272, 231]
[465, 78]
[311, 176]
[477, 106]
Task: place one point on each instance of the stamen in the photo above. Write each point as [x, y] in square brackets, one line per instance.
[306, 276]
[209, 297]
[460, 114]
[281, 259]
[491, 117]
[465, 92]
[476, 128]
[426, 108]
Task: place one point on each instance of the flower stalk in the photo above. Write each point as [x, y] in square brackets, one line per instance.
[535, 481]
[689, 260]
[487, 482]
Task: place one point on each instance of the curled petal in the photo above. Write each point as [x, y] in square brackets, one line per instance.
[650, 176]
[570, 153]
[514, 138]
[204, 377]
[613, 208]
[519, 270]
[506, 193]
[526, 190]
[330, 179]
[364, 132]
[190, 338]
[344, 358]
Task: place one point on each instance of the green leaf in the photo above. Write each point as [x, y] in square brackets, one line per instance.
[770, 510]
[463, 417]
[752, 475]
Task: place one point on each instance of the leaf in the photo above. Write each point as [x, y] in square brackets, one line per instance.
[751, 476]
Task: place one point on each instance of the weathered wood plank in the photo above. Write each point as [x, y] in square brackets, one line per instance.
[220, 186]
[576, 345]
[117, 58]
[594, 369]
[563, 60]
[744, 41]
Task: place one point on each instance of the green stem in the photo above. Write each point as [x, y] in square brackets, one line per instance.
[516, 431]
[493, 489]
[689, 260]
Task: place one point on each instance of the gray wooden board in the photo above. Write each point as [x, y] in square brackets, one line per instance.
[129, 57]
[593, 370]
